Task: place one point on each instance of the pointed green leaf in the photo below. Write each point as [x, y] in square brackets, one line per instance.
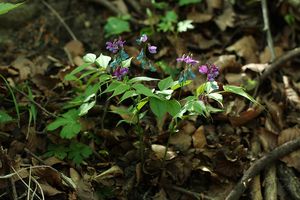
[6, 7]
[141, 89]
[142, 78]
[239, 91]
[165, 83]
[102, 61]
[126, 63]
[4, 117]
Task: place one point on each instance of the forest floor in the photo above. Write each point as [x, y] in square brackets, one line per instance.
[206, 158]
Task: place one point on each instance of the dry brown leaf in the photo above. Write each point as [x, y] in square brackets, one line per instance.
[204, 43]
[160, 150]
[199, 140]
[24, 66]
[246, 116]
[226, 19]
[245, 47]
[265, 56]
[181, 141]
[112, 172]
[227, 62]
[53, 161]
[293, 159]
[259, 68]
[276, 111]
[267, 139]
[291, 95]
[198, 17]
[234, 78]
[74, 48]
[121, 6]
[179, 44]
[75, 176]
[161, 195]
[214, 4]
[49, 190]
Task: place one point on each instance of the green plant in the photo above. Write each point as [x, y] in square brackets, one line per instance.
[76, 152]
[117, 25]
[108, 77]
[4, 117]
[6, 7]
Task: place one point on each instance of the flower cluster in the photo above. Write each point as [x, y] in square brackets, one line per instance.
[115, 45]
[120, 72]
[187, 60]
[145, 62]
[211, 71]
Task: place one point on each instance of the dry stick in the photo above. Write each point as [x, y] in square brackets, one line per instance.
[260, 164]
[196, 195]
[62, 21]
[278, 62]
[255, 186]
[135, 5]
[63, 177]
[36, 103]
[267, 28]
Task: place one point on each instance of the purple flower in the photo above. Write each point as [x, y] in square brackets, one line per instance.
[187, 60]
[114, 46]
[120, 72]
[152, 49]
[203, 69]
[211, 70]
[143, 38]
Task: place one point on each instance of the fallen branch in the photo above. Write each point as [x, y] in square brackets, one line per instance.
[278, 62]
[260, 164]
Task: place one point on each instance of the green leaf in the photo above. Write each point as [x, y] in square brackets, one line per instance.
[58, 151]
[84, 108]
[141, 104]
[128, 94]
[187, 2]
[211, 86]
[126, 63]
[185, 25]
[120, 89]
[5, 7]
[173, 107]
[112, 86]
[239, 91]
[104, 78]
[70, 130]
[116, 26]
[165, 83]
[141, 78]
[4, 117]
[201, 89]
[69, 122]
[78, 152]
[71, 77]
[141, 89]
[158, 107]
[89, 58]
[217, 97]
[102, 61]
[179, 85]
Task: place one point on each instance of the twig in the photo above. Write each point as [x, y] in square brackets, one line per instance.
[135, 5]
[267, 28]
[255, 187]
[260, 164]
[289, 180]
[36, 103]
[278, 62]
[63, 177]
[62, 21]
[14, 190]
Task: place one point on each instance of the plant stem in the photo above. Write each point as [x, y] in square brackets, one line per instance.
[171, 131]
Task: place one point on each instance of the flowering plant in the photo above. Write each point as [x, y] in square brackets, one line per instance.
[110, 76]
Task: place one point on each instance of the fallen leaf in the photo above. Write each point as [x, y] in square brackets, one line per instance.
[265, 56]
[226, 19]
[267, 139]
[246, 116]
[49, 190]
[74, 48]
[245, 47]
[255, 67]
[293, 159]
[198, 17]
[23, 65]
[160, 150]
[214, 4]
[199, 140]
[161, 195]
[181, 141]
[228, 62]
[110, 173]
[291, 95]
